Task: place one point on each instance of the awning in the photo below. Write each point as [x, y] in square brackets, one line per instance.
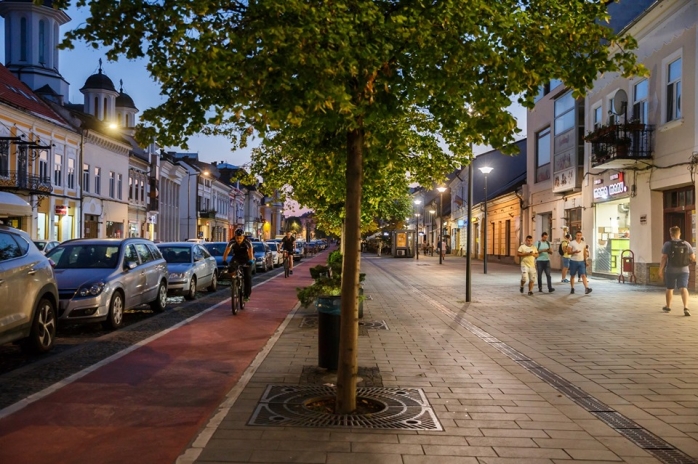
[12, 205]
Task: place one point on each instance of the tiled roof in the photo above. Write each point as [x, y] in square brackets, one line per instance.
[15, 93]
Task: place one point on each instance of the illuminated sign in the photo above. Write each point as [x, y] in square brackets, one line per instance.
[617, 188]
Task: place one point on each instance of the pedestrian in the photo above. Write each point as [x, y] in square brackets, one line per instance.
[528, 253]
[543, 262]
[442, 250]
[676, 256]
[565, 257]
[578, 255]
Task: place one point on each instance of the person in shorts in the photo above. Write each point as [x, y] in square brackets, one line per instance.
[528, 254]
[674, 268]
[565, 257]
[578, 250]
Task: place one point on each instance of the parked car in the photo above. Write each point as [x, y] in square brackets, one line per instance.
[28, 293]
[277, 258]
[100, 278]
[299, 251]
[45, 246]
[216, 249]
[190, 267]
[262, 256]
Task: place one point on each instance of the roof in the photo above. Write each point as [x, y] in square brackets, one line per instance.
[626, 12]
[16, 93]
[98, 81]
[125, 101]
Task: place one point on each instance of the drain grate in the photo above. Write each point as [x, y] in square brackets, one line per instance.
[404, 409]
[617, 420]
[379, 325]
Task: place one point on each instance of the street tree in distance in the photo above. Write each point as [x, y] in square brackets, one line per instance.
[352, 67]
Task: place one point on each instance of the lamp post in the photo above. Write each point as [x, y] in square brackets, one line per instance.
[485, 170]
[417, 202]
[468, 261]
[432, 212]
[441, 223]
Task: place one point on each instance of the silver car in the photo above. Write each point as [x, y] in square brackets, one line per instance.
[45, 246]
[190, 268]
[28, 293]
[100, 278]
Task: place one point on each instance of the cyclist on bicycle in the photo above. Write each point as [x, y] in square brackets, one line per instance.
[241, 250]
[288, 244]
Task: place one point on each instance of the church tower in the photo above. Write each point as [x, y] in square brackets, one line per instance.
[125, 109]
[31, 44]
[100, 96]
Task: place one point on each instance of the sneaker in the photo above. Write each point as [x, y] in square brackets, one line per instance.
[551, 290]
[290, 272]
[666, 309]
[565, 281]
[520, 289]
[686, 312]
[247, 298]
[587, 291]
[540, 290]
[530, 293]
[572, 291]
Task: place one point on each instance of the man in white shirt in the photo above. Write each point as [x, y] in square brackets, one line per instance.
[577, 250]
[528, 254]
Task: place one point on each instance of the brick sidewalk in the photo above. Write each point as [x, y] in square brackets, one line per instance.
[615, 344]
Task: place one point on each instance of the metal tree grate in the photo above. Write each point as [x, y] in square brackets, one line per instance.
[403, 409]
[379, 325]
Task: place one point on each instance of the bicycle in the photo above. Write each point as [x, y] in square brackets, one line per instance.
[237, 288]
[287, 265]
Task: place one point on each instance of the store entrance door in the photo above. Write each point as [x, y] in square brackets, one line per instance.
[676, 219]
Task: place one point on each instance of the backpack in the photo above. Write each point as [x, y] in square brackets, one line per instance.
[679, 255]
[561, 249]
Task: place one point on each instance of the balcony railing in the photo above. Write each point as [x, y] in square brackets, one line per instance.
[16, 180]
[620, 145]
[211, 214]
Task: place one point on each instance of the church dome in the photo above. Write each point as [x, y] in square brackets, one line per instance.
[99, 81]
[125, 101]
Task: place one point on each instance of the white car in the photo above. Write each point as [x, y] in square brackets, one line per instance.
[190, 267]
[276, 257]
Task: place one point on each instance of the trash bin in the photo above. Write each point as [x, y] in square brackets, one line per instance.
[329, 310]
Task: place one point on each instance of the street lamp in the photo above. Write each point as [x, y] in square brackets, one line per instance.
[485, 170]
[441, 223]
[469, 240]
[417, 202]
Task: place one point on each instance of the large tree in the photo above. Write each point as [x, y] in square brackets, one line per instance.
[351, 67]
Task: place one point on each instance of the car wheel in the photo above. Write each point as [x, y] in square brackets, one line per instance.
[214, 283]
[159, 304]
[191, 293]
[43, 331]
[115, 318]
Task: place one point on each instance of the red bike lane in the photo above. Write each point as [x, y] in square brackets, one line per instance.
[147, 406]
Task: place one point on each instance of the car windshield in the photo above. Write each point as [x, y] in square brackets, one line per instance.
[85, 256]
[216, 249]
[40, 245]
[176, 254]
[258, 246]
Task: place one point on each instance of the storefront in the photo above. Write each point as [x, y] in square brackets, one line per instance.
[611, 223]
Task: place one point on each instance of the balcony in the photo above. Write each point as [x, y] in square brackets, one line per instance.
[620, 146]
[210, 214]
[16, 180]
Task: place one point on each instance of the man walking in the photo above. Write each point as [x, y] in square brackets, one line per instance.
[543, 262]
[676, 256]
[528, 253]
[565, 257]
[577, 249]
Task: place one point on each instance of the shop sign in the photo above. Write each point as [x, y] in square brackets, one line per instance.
[643, 219]
[461, 223]
[616, 188]
[61, 210]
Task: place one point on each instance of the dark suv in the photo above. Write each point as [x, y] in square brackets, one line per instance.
[28, 293]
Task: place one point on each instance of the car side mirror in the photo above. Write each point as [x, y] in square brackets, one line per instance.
[52, 262]
[131, 265]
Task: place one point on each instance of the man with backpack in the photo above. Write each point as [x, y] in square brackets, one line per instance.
[676, 256]
[543, 262]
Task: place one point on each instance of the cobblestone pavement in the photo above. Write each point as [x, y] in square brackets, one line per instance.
[483, 367]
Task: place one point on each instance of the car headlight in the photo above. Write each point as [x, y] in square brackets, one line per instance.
[93, 289]
[258, 259]
[178, 275]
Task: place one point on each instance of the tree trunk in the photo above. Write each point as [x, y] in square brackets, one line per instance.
[349, 330]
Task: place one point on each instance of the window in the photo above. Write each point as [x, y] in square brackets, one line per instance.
[71, 173]
[98, 181]
[597, 115]
[43, 166]
[144, 253]
[543, 155]
[130, 254]
[119, 186]
[4, 158]
[640, 106]
[564, 113]
[673, 91]
[142, 190]
[112, 185]
[130, 187]
[104, 110]
[96, 107]
[85, 177]
[58, 170]
[23, 39]
[42, 41]
[9, 248]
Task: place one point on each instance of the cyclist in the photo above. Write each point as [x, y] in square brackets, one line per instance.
[288, 244]
[242, 254]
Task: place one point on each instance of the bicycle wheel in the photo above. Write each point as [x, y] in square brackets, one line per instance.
[241, 295]
[234, 295]
[286, 267]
